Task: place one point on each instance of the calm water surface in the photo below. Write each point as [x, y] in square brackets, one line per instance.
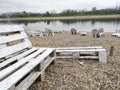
[109, 25]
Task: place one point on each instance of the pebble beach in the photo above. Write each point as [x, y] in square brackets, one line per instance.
[69, 74]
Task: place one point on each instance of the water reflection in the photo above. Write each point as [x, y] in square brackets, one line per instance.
[110, 25]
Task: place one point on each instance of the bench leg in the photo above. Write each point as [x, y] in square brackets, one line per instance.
[53, 54]
[103, 56]
[41, 77]
[37, 68]
[53, 62]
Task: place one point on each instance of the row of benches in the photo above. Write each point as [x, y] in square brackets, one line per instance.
[21, 64]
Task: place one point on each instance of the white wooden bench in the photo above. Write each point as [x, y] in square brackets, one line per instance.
[83, 33]
[117, 33]
[96, 52]
[20, 63]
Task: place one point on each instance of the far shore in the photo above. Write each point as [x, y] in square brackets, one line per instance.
[66, 17]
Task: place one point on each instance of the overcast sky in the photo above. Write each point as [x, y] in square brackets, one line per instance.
[53, 5]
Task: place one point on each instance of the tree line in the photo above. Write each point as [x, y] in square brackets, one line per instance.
[68, 12]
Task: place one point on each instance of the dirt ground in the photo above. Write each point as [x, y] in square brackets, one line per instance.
[68, 74]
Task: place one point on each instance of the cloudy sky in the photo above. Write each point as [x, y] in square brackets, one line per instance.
[53, 5]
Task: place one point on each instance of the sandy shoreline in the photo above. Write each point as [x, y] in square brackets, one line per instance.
[70, 75]
[65, 17]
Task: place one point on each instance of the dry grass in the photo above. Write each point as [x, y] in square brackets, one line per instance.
[70, 75]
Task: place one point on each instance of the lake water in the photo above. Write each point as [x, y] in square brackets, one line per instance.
[109, 25]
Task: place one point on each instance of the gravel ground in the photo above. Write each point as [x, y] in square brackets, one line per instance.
[68, 74]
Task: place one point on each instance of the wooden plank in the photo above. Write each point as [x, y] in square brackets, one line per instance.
[3, 46]
[90, 47]
[12, 88]
[5, 39]
[118, 35]
[15, 77]
[46, 63]
[5, 72]
[82, 50]
[10, 28]
[24, 85]
[46, 53]
[7, 83]
[15, 48]
[20, 56]
[103, 57]
[81, 57]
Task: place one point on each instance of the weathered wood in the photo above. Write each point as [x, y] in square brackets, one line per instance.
[33, 33]
[19, 74]
[5, 39]
[10, 28]
[81, 50]
[94, 32]
[18, 64]
[98, 33]
[73, 31]
[111, 50]
[25, 84]
[15, 77]
[42, 76]
[83, 53]
[116, 34]
[12, 49]
[49, 32]
[2, 46]
[80, 57]
[83, 33]
[103, 57]
[18, 57]
[90, 47]
[12, 88]
[45, 65]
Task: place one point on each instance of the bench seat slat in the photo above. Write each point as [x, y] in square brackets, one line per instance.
[8, 61]
[5, 72]
[15, 77]
[90, 47]
[82, 50]
[12, 49]
[10, 28]
[24, 85]
[5, 39]
[46, 53]
[80, 57]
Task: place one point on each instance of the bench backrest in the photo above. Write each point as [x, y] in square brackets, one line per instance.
[13, 39]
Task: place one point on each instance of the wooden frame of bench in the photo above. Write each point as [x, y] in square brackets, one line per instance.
[20, 63]
[94, 52]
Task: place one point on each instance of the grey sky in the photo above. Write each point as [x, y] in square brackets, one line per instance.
[51, 5]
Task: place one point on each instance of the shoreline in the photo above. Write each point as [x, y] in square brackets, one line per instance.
[65, 18]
